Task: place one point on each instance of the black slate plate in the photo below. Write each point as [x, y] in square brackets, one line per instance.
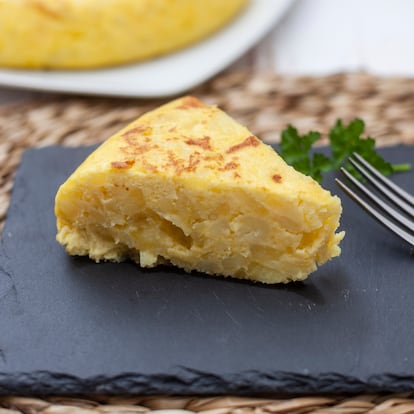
[68, 325]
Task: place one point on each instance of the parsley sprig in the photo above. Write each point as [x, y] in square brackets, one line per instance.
[344, 140]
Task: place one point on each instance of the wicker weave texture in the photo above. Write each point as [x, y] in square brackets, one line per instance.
[397, 404]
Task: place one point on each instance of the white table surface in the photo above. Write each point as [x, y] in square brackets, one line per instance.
[319, 37]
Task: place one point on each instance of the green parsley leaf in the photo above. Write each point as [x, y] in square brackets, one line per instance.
[344, 141]
[320, 164]
[295, 150]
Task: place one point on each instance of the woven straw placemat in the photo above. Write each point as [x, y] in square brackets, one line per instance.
[265, 103]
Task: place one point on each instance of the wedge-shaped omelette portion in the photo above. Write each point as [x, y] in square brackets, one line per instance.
[187, 185]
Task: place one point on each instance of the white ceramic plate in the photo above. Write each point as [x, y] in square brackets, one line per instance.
[165, 76]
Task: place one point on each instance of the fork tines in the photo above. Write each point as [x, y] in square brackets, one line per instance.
[401, 223]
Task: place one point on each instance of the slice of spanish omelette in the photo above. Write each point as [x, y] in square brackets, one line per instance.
[187, 185]
[85, 34]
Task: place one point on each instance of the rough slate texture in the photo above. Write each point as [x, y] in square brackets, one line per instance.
[69, 325]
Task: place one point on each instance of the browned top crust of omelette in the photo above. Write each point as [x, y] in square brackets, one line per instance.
[185, 184]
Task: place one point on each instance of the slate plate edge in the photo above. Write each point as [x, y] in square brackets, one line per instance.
[192, 382]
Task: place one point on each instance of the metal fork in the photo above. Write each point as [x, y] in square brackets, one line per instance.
[400, 223]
